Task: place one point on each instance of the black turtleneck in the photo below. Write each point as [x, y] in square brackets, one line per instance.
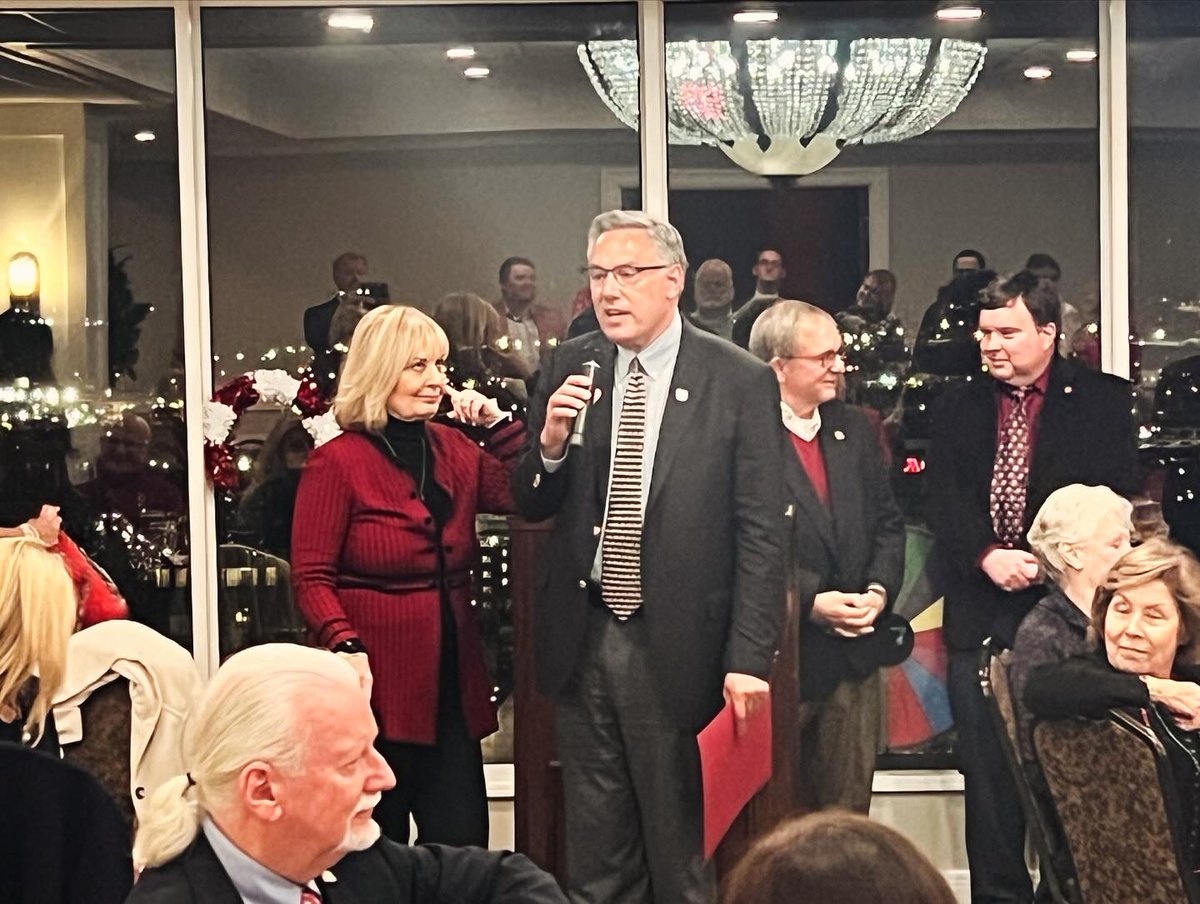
[408, 443]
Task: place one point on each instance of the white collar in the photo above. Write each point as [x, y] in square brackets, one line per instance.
[804, 427]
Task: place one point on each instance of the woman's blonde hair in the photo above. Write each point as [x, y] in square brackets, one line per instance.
[37, 617]
[1157, 560]
[386, 340]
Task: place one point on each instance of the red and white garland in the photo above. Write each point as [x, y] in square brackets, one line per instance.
[276, 387]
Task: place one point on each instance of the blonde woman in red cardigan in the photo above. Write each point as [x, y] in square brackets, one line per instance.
[383, 543]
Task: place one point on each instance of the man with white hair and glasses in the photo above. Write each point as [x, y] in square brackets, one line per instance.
[276, 807]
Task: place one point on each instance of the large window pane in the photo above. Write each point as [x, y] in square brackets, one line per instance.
[377, 148]
[846, 138]
[1164, 313]
[91, 368]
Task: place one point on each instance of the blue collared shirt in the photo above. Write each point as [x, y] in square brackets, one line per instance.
[254, 882]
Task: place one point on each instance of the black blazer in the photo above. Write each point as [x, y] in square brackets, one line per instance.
[317, 321]
[857, 540]
[62, 838]
[712, 552]
[386, 873]
[1085, 435]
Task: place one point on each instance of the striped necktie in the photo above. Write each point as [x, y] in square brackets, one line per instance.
[620, 565]
[308, 896]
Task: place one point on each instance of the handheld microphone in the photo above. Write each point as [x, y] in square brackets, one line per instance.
[576, 437]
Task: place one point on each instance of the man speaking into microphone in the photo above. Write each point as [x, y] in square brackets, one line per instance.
[664, 583]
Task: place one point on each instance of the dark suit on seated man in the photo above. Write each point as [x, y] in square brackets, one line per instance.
[664, 585]
[847, 545]
[277, 804]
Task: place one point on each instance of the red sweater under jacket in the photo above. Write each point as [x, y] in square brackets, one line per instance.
[365, 565]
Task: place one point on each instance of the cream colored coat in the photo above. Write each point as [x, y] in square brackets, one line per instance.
[164, 686]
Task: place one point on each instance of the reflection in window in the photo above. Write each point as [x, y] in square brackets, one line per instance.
[91, 412]
[448, 158]
[1164, 311]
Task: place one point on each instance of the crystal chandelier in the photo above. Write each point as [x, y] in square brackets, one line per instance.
[787, 107]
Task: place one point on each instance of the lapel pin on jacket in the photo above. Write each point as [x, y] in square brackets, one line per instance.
[1068, 389]
[839, 435]
[681, 394]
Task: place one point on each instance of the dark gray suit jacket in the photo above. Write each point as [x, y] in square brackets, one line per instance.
[857, 540]
[713, 538]
[386, 873]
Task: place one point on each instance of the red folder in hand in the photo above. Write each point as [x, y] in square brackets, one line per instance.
[733, 769]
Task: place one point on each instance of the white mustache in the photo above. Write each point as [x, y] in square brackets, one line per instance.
[369, 801]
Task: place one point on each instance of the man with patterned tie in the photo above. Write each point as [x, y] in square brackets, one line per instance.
[664, 587]
[999, 447]
[276, 807]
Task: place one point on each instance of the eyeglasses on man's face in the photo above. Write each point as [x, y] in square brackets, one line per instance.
[824, 359]
[622, 274]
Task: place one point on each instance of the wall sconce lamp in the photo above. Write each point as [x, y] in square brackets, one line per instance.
[24, 278]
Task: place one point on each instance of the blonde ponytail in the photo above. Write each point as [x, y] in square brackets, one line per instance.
[170, 821]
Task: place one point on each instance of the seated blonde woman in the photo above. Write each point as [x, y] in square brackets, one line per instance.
[1078, 534]
[37, 616]
[1145, 631]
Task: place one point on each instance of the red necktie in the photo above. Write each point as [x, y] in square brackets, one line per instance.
[1010, 472]
[308, 896]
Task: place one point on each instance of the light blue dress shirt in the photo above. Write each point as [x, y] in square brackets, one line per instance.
[254, 882]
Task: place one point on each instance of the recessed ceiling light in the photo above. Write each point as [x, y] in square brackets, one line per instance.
[460, 53]
[144, 135]
[959, 13]
[756, 17]
[1037, 73]
[1081, 55]
[477, 72]
[351, 21]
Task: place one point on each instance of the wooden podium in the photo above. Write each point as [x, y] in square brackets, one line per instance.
[538, 803]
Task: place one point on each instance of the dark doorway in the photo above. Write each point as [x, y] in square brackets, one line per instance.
[822, 234]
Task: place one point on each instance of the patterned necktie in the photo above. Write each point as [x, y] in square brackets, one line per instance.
[621, 559]
[1010, 471]
[308, 896]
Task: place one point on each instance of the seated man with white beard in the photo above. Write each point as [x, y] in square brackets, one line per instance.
[276, 807]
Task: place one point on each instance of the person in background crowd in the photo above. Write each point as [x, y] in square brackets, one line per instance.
[876, 354]
[533, 328]
[943, 343]
[481, 356]
[125, 482]
[349, 273]
[277, 802]
[713, 292]
[1043, 266]
[847, 541]
[998, 449]
[1077, 536]
[1146, 628]
[839, 857]
[383, 543]
[769, 274]
[264, 514]
[664, 593]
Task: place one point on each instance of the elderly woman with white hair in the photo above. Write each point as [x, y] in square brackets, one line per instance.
[1078, 534]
